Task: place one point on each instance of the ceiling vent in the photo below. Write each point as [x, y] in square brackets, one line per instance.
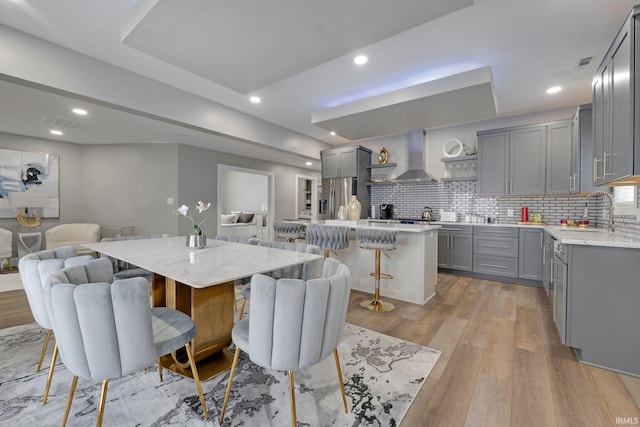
[583, 62]
[61, 122]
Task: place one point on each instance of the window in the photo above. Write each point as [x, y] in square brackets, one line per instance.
[625, 200]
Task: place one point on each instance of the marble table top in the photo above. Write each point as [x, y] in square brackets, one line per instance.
[219, 262]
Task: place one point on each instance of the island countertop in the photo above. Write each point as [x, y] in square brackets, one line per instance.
[409, 228]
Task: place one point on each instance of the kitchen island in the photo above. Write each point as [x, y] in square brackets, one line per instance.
[413, 264]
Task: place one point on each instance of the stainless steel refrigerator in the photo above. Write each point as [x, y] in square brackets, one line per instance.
[337, 192]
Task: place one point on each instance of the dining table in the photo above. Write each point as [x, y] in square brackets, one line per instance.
[200, 283]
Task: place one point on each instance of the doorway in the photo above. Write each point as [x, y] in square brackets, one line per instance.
[250, 190]
[306, 197]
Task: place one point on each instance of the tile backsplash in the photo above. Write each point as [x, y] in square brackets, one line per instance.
[409, 199]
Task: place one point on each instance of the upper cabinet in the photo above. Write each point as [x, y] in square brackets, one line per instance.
[346, 162]
[525, 160]
[616, 153]
[582, 151]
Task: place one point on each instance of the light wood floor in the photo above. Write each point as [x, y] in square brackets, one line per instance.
[502, 363]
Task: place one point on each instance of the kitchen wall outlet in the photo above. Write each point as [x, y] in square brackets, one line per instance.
[169, 200]
[510, 213]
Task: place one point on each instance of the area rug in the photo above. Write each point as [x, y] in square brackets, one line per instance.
[382, 377]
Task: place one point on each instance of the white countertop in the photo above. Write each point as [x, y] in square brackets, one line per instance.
[410, 228]
[594, 237]
[219, 262]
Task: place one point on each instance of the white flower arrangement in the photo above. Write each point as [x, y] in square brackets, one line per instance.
[200, 207]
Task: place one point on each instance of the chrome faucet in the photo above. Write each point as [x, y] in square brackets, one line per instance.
[600, 193]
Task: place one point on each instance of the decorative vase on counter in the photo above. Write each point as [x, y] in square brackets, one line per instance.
[342, 213]
[354, 209]
[196, 241]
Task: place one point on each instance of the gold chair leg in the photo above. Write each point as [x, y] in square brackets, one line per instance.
[103, 399]
[244, 301]
[294, 419]
[9, 262]
[160, 369]
[70, 400]
[344, 395]
[226, 394]
[196, 379]
[52, 367]
[44, 349]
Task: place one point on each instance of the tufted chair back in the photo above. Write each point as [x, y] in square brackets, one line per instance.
[297, 323]
[328, 237]
[306, 271]
[103, 330]
[289, 230]
[36, 268]
[371, 238]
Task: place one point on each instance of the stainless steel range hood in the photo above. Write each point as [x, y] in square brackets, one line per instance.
[416, 171]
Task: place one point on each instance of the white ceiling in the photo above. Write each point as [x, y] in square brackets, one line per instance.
[297, 56]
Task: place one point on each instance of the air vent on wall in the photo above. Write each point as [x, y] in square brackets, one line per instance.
[583, 62]
[66, 123]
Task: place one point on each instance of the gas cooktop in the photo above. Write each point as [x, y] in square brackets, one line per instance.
[414, 220]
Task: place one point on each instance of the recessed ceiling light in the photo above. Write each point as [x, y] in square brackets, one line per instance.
[332, 133]
[308, 163]
[80, 111]
[255, 99]
[554, 89]
[55, 132]
[360, 59]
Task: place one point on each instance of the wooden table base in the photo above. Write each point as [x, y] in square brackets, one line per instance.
[211, 309]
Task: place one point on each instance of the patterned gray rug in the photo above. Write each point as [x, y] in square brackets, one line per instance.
[382, 376]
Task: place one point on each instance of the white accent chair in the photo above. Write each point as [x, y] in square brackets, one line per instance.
[35, 270]
[72, 235]
[297, 324]
[107, 331]
[6, 249]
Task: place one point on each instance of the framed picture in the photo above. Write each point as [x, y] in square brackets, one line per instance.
[29, 178]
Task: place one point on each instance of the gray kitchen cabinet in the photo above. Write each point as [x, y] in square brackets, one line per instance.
[530, 253]
[616, 147]
[493, 163]
[547, 257]
[559, 156]
[581, 176]
[346, 162]
[601, 306]
[527, 161]
[455, 247]
[495, 251]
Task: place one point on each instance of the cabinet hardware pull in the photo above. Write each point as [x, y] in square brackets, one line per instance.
[594, 172]
[604, 165]
[544, 255]
[495, 266]
[496, 247]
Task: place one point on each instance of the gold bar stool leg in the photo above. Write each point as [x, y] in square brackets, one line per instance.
[377, 305]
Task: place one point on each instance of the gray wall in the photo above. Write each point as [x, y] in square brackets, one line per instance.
[128, 184]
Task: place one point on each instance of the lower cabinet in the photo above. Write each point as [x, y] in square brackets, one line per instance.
[495, 251]
[455, 247]
[601, 306]
[530, 253]
[514, 252]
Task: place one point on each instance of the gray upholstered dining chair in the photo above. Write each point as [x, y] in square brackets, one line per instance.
[328, 237]
[107, 331]
[6, 249]
[296, 325]
[34, 270]
[306, 271]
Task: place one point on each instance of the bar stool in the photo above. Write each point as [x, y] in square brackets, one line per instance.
[328, 237]
[290, 231]
[380, 241]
